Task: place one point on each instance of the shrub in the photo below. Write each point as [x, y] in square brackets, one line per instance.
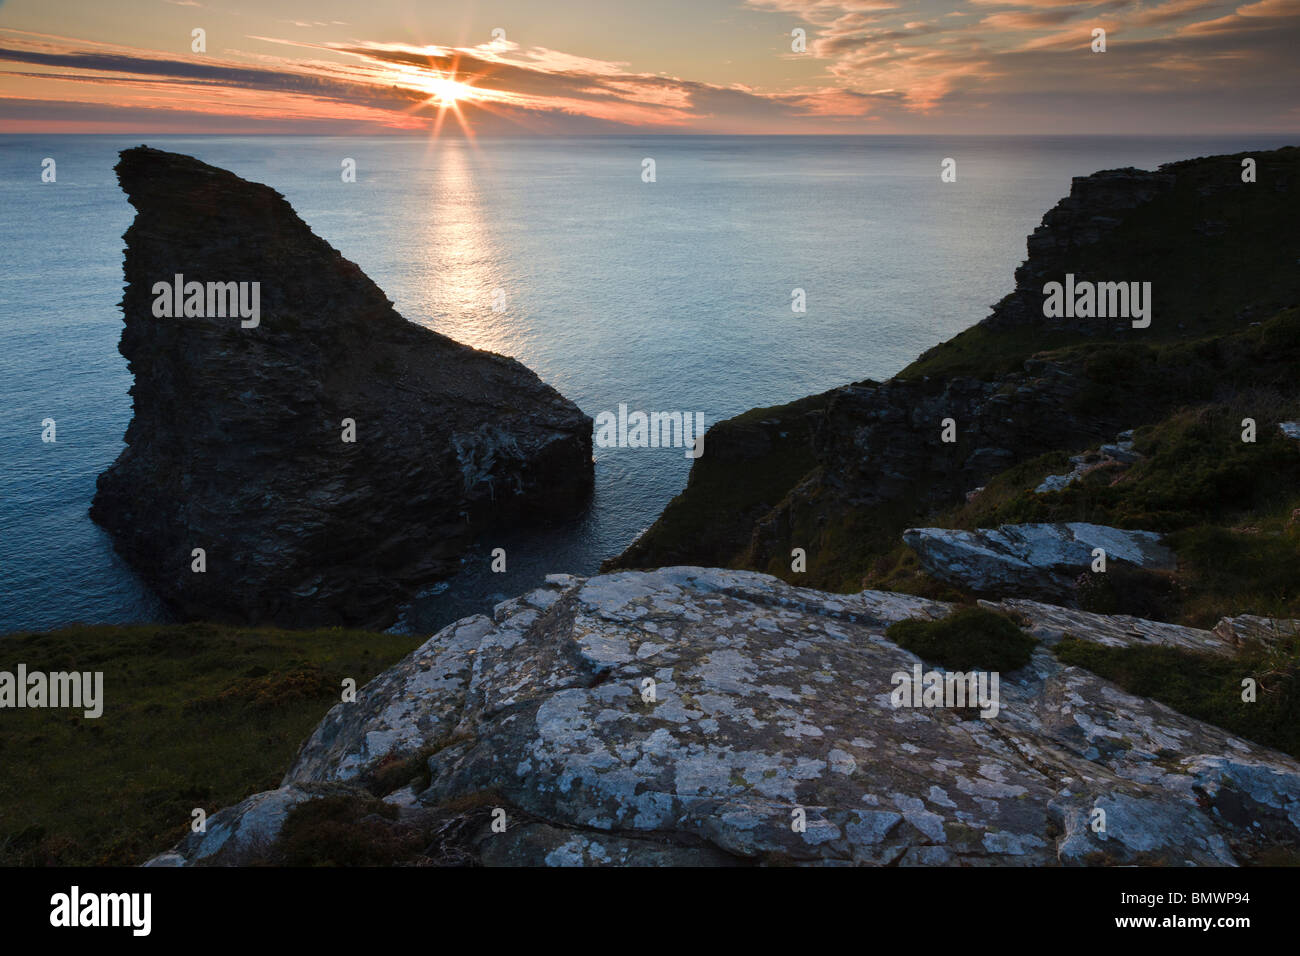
[346, 831]
[970, 638]
[1124, 589]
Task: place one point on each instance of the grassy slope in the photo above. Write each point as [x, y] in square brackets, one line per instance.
[1228, 506]
[1206, 686]
[195, 716]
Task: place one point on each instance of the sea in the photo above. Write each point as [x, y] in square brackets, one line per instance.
[677, 294]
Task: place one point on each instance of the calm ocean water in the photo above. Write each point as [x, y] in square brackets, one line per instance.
[666, 296]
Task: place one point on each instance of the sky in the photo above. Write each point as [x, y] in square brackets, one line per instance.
[577, 67]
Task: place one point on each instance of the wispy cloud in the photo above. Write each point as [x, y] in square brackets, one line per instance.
[870, 65]
[1011, 48]
[510, 83]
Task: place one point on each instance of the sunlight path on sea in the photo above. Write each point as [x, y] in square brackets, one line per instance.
[460, 269]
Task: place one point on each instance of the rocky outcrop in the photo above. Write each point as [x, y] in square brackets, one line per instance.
[700, 716]
[885, 442]
[1245, 629]
[1015, 385]
[1114, 459]
[882, 446]
[1043, 560]
[240, 443]
[1050, 622]
[1093, 210]
[243, 833]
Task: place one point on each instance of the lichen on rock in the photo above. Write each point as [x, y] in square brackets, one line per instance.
[693, 716]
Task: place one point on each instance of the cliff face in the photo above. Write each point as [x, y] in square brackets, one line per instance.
[1097, 204]
[872, 457]
[237, 445]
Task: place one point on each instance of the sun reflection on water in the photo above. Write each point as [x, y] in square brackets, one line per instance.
[467, 293]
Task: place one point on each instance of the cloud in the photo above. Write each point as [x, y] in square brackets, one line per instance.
[814, 10]
[870, 65]
[1013, 47]
[389, 84]
[1263, 15]
[1028, 20]
[1169, 11]
[1051, 4]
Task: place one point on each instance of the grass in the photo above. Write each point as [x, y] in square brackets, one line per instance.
[1207, 687]
[1228, 572]
[984, 353]
[1228, 508]
[197, 715]
[968, 639]
[345, 831]
[1196, 471]
[359, 830]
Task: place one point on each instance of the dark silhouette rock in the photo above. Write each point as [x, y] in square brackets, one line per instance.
[237, 444]
[1097, 204]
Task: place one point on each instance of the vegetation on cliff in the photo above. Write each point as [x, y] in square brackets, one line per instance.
[1223, 346]
[1230, 509]
[1206, 686]
[195, 716]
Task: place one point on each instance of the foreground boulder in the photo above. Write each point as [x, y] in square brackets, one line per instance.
[325, 454]
[1031, 559]
[697, 716]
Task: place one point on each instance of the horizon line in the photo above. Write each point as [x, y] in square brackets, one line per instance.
[422, 135]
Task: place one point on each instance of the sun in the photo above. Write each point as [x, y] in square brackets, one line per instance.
[447, 91]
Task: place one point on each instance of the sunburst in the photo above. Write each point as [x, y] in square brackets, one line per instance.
[447, 90]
